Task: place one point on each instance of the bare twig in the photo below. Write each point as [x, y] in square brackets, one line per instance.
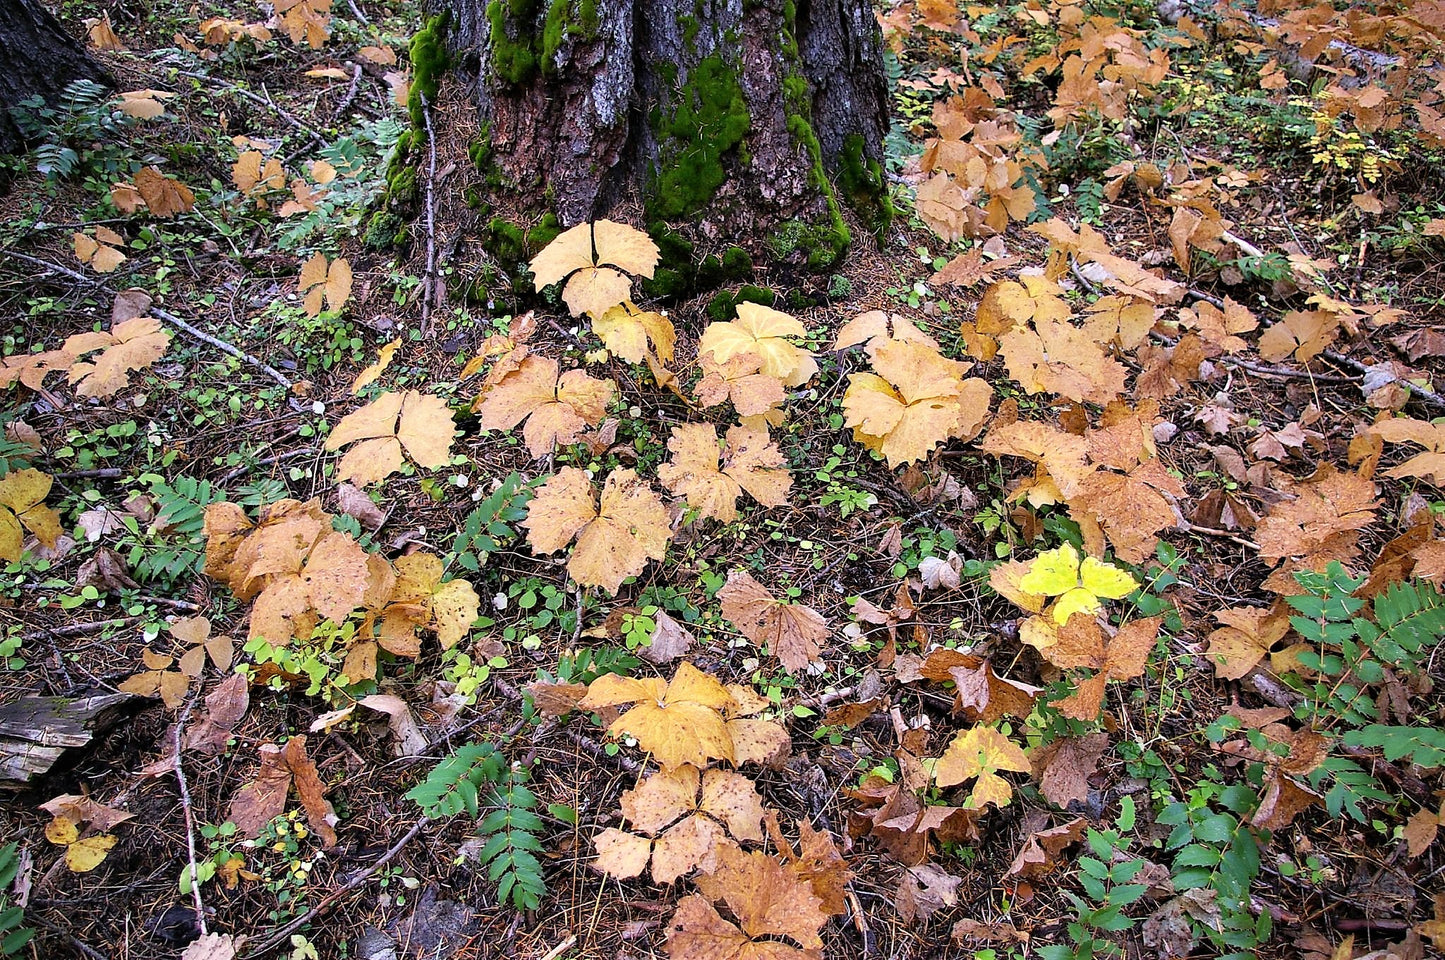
[269, 942]
[350, 91]
[186, 812]
[84, 948]
[265, 101]
[357, 13]
[561, 948]
[266, 462]
[165, 315]
[431, 237]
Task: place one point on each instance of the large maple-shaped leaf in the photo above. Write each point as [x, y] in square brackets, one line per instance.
[449, 606]
[777, 914]
[22, 493]
[1429, 465]
[763, 331]
[587, 254]
[616, 535]
[1305, 334]
[557, 408]
[1057, 357]
[1063, 456]
[791, 631]
[678, 722]
[291, 562]
[1081, 642]
[1327, 505]
[129, 346]
[1010, 304]
[749, 461]
[1220, 328]
[1131, 508]
[1080, 584]
[978, 755]
[418, 423]
[1124, 322]
[164, 196]
[683, 817]
[631, 333]
[739, 379]
[917, 399]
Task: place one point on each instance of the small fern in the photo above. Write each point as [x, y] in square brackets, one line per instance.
[477, 778]
[489, 524]
[510, 853]
[1355, 650]
[174, 545]
[13, 935]
[455, 784]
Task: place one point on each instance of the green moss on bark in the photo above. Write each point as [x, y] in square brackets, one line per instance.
[861, 181]
[513, 40]
[679, 274]
[707, 120]
[428, 62]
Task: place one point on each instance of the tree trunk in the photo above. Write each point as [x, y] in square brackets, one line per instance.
[736, 121]
[39, 58]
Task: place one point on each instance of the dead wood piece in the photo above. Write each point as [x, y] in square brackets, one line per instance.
[35, 731]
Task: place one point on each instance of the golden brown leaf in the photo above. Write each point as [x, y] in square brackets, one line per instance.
[1247, 637]
[917, 399]
[615, 538]
[557, 408]
[790, 631]
[762, 331]
[130, 345]
[750, 461]
[678, 722]
[628, 332]
[978, 755]
[418, 423]
[22, 493]
[164, 196]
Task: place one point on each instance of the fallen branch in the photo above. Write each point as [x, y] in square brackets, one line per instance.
[165, 315]
[265, 101]
[350, 91]
[431, 238]
[189, 818]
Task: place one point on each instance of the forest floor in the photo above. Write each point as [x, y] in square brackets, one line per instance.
[1116, 635]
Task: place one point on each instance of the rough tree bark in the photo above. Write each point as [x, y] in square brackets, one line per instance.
[739, 121]
[39, 58]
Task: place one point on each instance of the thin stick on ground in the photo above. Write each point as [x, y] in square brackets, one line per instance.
[431, 237]
[265, 101]
[165, 315]
[186, 812]
[278, 936]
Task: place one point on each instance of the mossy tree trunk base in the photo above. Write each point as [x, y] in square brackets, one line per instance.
[40, 59]
[730, 120]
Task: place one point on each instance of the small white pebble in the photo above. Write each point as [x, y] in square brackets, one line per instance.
[317, 407]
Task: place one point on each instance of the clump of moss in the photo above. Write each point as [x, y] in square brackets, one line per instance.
[678, 275]
[513, 60]
[725, 303]
[428, 62]
[514, 245]
[708, 119]
[561, 23]
[862, 184]
[385, 230]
